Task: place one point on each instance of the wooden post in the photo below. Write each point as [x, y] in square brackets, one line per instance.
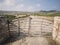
[29, 26]
[8, 22]
[18, 26]
[41, 26]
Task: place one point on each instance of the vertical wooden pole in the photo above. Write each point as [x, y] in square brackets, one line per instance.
[18, 26]
[8, 27]
[41, 26]
[8, 22]
[29, 26]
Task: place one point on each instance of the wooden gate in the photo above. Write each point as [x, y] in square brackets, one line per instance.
[41, 26]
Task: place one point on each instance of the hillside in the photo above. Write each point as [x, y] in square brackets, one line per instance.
[57, 13]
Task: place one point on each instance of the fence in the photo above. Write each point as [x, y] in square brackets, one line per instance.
[31, 26]
[19, 26]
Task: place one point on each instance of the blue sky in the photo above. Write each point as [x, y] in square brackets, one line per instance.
[29, 5]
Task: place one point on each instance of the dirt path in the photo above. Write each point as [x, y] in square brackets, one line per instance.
[33, 41]
[36, 41]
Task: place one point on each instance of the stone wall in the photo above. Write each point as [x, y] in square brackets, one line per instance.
[4, 33]
[56, 30]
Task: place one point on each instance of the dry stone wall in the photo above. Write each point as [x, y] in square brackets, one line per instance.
[56, 29]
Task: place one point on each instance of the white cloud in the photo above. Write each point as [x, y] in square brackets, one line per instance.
[9, 2]
[23, 7]
[7, 5]
[38, 5]
[30, 8]
[11, 5]
[19, 7]
[21, 0]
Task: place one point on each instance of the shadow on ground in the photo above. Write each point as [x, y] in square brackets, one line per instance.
[14, 37]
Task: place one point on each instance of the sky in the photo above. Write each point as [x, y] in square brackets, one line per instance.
[29, 5]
